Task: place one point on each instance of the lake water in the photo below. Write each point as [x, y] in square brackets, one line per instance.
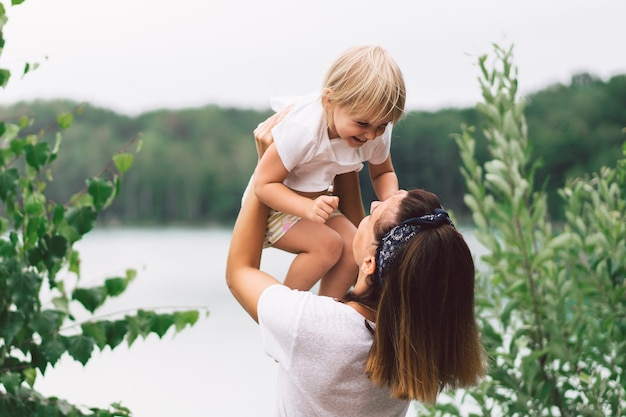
[216, 368]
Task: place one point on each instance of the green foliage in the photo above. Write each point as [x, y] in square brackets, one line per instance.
[584, 118]
[198, 161]
[551, 303]
[37, 260]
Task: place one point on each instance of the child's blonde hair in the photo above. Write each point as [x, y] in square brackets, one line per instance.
[367, 81]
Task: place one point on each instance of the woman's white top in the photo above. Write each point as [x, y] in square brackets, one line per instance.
[321, 346]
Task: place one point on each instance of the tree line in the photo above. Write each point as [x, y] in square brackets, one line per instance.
[196, 162]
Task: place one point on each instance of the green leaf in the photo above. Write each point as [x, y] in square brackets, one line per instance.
[30, 375]
[34, 229]
[6, 248]
[137, 326]
[160, 323]
[184, 318]
[123, 161]
[24, 288]
[119, 408]
[16, 145]
[90, 298]
[131, 274]
[4, 77]
[70, 233]
[80, 348]
[61, 303]
[520, 285]
[115, 286]
[115, 332]
[100, 190]
[37, 154]
[491, 334]
[498, 183]
[81, 199]
[58, 214]
[74, 262]
[11, 381]
[65, 120]
[10, 325]
[25, 122]
[58, 246]
[48, 322]
[8, 183]
[81, 219]
[53, 348]
[38, 358]
[97, 331]
[505, 317]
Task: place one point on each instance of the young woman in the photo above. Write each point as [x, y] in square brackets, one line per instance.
[406, 331]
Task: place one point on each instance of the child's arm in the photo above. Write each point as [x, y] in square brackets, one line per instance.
[384, 179]
[269, 187]
[348, 189]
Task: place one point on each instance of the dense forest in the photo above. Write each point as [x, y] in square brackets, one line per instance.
[195, 163]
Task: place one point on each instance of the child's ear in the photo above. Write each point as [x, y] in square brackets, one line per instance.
[326, 99]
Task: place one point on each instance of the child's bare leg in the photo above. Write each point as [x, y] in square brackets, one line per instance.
[317, 248]
[342, 275]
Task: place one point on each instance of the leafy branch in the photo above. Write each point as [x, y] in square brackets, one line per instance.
[37, 237]
[551, 302]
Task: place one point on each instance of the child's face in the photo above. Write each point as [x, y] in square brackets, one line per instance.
[354, 130]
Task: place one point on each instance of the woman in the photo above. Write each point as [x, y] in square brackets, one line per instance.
[406, 331]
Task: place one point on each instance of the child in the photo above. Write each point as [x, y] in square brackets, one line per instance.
[325, 134]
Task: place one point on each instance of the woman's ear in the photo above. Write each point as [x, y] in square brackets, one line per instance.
[368, 266]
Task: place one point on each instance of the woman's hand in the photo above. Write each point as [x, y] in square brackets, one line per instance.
[263, 133]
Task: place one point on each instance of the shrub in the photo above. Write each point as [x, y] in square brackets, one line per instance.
[551, 298]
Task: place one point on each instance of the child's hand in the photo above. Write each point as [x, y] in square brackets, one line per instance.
[322, 207]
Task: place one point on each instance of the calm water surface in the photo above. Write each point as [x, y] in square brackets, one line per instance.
[215, 369]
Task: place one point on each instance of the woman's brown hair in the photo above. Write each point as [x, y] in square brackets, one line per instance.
[426, 339]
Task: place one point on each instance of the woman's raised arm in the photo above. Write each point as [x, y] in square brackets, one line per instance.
[243, 276]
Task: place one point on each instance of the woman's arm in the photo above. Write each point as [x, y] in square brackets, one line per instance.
[243, 276]
[384, 179]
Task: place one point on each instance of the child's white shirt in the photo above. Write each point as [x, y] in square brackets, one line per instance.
[312, 159]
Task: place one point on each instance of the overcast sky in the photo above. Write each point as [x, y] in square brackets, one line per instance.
[138, 55]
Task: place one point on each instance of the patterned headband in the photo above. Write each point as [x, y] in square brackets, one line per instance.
[402, 233]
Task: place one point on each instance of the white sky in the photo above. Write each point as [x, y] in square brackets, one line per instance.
[138, 55]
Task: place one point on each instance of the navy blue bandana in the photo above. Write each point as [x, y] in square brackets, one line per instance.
[403, 232]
